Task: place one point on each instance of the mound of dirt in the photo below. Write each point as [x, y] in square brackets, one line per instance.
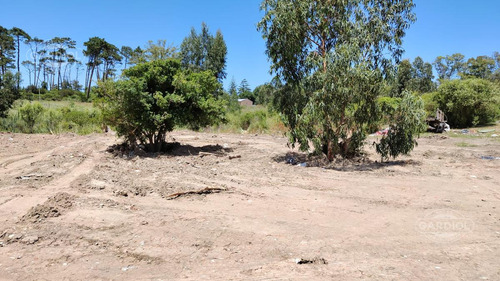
[51, 208]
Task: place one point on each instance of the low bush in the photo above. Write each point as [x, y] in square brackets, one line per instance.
[255, 119]
[30, 113]
[468, 102]
[52, 117]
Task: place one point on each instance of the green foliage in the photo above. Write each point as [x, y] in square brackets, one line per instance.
[252, 120]
[100, 52]
[8, 92]
[203, 51]
[416, 77]
[159, 51]
[331, 58]
[469, 102]
[30, 113]
[7, 51]
[157, 96]
[407, 122]
[480, 67]
[232, 97]
[244, 91]
[449, 66]
[263, 94]
[54, 95]
[430, 104]
[55, 118]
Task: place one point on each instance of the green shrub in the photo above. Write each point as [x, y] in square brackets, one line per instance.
[8, 92]
[30, 113]
[407, 122]
[254, 121]
[469, 102]
[430, 104]
[155, 97]
[55, 117]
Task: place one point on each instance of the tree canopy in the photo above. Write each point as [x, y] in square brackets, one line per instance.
[156, 96]
[203, 51]
[332, 57]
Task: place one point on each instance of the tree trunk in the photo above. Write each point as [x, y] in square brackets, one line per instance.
[90, 81]
[18, 69]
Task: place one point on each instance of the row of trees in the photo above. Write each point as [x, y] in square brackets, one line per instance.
[54, 64]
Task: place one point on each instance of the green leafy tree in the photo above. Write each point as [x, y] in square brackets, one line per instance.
[406, 122]
[496, 74]
[449, 66]
[138, 56]
[110, 56]
[159, 51]
[244, 91]
[468, 102]
[404, 78]
[422, 76]
[264, 94]
[127, 53]
[232, 91]
[479, 67]
[8, 92]
[59, 55]
[332, 57]
[35, 45]
[203, 51]
[7, 49]
[94, 48]
[156, 96]
[30, 113]
[99, 52]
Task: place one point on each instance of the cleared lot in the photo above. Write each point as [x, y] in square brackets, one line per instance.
[229, 207]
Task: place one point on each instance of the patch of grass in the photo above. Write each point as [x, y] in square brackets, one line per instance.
[56, 117]
[252, 119]
[465, 144]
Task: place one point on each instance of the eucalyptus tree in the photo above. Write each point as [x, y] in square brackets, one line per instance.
[159, 50]
[449, 66]
[203, 51]
[332, 57]
[18, 34]
[422, 76]
[479, 67]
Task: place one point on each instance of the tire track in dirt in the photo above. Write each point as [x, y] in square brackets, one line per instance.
[16, 205]
[14, 163]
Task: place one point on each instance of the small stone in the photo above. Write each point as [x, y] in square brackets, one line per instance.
[30, 239]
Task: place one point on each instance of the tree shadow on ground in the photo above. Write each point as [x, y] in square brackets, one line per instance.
[339, 164]
[171, 149]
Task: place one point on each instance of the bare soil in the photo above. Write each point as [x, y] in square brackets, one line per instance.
[232, 207]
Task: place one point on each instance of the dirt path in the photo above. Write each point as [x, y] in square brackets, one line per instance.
[432, 216]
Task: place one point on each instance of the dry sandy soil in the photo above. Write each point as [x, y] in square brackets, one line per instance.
[230, 207]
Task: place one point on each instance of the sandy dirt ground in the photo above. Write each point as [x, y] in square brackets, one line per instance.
[231, 207]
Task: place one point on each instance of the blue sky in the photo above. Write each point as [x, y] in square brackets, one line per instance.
[443, 26]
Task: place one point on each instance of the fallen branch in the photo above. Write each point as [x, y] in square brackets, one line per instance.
[206, 190]
[203, 154]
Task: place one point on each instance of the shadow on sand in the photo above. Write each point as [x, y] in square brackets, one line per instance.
[339, 164]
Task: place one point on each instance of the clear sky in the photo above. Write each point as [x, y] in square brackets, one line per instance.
[443, 27]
